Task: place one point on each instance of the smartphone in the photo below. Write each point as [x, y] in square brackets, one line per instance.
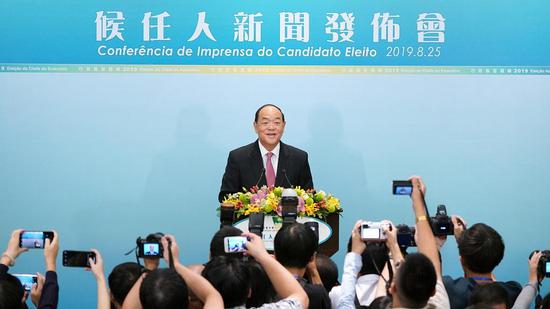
[27, 280]
[402, 187]
[34, 239]
[73, 258]
[234, 244]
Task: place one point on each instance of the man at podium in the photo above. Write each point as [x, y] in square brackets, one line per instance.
[266, 161]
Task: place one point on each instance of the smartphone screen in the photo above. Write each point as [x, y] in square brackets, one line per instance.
[27, 280]
[77, 258]
[547, 269]
[34, 240]
[235, 244]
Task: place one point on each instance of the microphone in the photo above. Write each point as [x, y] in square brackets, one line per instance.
[286, 177]
[262, 173]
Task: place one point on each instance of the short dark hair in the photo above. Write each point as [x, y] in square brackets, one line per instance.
[163, 288]
[481, 248]
[295, 245]
[377, 252]
[415, 280]
[122, 279]
[231, 277]
[545, 304]
[489, 294]
[266, 105]
[328, 271]
[11, 292]
[217, 245]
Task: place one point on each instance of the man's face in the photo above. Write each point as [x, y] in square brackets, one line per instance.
[269, 127]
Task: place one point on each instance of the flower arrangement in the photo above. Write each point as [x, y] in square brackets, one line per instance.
[267, 200]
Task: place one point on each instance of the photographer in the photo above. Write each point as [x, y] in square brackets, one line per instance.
[362, 266]
[481, 249]
[103, 298]
[167, 288]
[418, 282]
[44, 295]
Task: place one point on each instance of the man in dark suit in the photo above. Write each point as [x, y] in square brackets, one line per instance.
[267, 161]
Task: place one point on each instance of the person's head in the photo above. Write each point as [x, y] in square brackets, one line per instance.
[217, 242]
[269, 124]
[545, 304]
[493, 295]
[415, 281]
[262, 291]
[121, 280]
[374, 252]
[295, 245]
[11, 293]
[328, 271]
[163, 288]
[481, 248]
[231, 277]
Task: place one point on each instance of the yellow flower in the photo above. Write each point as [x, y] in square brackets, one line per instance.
[299, 191]
[332, 204]
[310, 210]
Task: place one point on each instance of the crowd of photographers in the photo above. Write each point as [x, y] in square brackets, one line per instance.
[377, 272]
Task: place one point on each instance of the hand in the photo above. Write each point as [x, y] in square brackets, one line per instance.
[533, 266]
[170, 239]
[255, 246]
[357, 244]
[13, 250]
[459, 226]
[51, 248]
[36, 290]
[419, 189]
[97, 266]
[391, 233]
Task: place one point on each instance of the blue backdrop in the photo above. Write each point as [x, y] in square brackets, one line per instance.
[104, 158]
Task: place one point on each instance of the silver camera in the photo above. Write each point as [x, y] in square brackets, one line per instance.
[374, 231]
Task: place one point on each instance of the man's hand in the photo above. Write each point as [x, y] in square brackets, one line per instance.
[36, 290]
[357, 244]
[533, 267]
[51, 248]
[170, 239]
[255, 246]
[459, 226]
[13, 250]
[97, 266]
[391, 233]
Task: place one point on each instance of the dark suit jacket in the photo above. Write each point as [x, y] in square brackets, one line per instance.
[245, 168]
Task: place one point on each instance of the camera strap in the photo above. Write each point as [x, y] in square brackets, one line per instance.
[390, 272]
[170, 256]
[136, 252]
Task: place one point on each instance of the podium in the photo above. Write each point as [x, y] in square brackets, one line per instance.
[328, 231]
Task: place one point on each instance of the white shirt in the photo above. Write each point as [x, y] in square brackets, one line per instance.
[274, 157]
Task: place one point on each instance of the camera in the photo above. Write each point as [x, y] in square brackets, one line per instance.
[289, 206]
[402, 187]
[227, 214]
[151, 246]
[441, 223]
[256, 223]
[405, 236]
[543, 269]
[374, 231]
[72, 258]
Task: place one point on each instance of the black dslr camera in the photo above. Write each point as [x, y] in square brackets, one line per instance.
[151, 246]
[441, 223]
[543, 269]
[289, 206]
[405, 236]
